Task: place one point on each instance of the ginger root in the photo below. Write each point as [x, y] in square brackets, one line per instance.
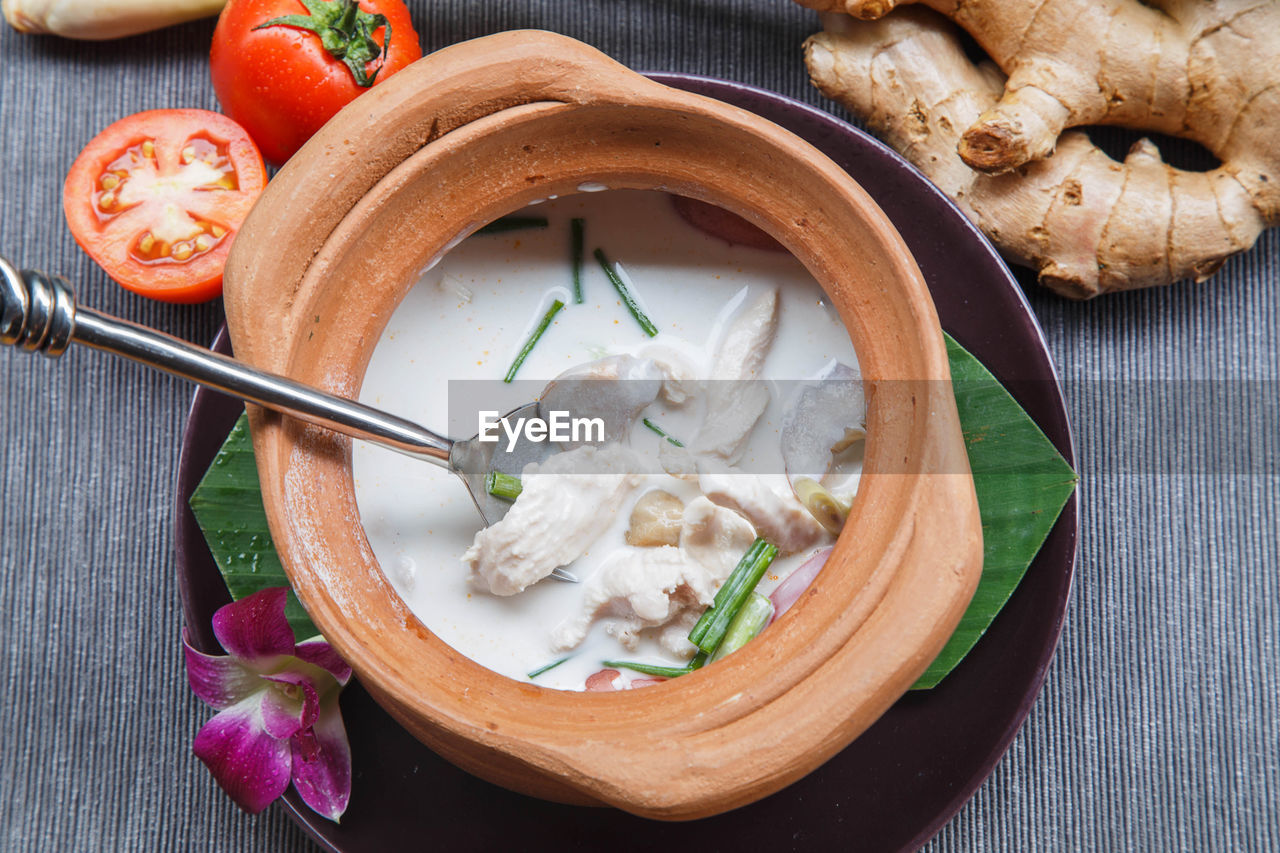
[1051, 200]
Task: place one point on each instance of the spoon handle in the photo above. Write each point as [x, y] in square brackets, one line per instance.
[39, 313]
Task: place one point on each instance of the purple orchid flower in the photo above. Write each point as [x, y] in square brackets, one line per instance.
[277, 703]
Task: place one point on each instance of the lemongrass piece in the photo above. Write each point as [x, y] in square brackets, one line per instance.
[502, 485]
[828, 509]
[533, 339]
[513, 223]
[576, 244]
[94, 20]
[755, 614]
[625, 292]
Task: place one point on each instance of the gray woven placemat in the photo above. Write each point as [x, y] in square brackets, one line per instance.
[1157, 728]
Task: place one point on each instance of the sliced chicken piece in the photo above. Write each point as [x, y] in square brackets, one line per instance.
[677, 461]
[643, 588]
[715, 537]
[566, 503]
[639, 587]
[736, 397]
[777, 515]
[673, 637]
[679, 372]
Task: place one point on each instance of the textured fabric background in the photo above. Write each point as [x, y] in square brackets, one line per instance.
[1158, 727]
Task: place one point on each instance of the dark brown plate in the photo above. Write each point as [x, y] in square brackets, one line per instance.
[897, 784]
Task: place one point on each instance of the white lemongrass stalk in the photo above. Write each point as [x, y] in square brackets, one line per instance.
[103, 19]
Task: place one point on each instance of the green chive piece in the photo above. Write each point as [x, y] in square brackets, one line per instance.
[627, 299]
[533, 339]
[576, 227]
[502, 485]
[710, 630]
[662, 432]
[750, 621]
[649, 668]
[513, 223]
[548, 667]
[748, 560]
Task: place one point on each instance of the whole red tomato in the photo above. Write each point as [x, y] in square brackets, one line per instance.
[282, 68]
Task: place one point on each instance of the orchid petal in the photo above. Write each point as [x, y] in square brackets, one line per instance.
[284, 715]
[318, 651]
[254, 627]
[218, 680]
[322, 762]
[247, 762]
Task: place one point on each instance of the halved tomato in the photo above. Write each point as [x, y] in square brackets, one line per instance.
[156, 199]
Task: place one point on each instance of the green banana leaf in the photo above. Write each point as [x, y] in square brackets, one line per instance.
[1021, 480]
[1022, 484]
[228, 507]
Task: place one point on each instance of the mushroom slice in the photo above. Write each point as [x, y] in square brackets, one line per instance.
[777, 514]
[821, 438]
[655, 520]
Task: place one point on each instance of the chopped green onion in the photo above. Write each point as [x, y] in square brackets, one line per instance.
[575, 226]
[748, 560]
[548, 667]
[662, 432]
[710, 630]
[533, 339]
[502, 485]
[660, 671]
[749, 622]
[649, 669]
[513, 223]
[627, 299]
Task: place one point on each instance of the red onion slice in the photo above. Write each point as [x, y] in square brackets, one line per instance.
[790, 590]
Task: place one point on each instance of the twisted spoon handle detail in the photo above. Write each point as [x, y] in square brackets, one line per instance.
[38, 313]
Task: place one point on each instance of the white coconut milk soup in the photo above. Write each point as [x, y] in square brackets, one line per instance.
[720, 310]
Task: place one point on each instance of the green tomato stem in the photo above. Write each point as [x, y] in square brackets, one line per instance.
[346, 33]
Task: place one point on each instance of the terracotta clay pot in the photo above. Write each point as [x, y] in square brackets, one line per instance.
[477, 131]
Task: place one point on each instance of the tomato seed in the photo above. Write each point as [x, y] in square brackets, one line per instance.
[181, 251]
[107, 201]
[110, 181]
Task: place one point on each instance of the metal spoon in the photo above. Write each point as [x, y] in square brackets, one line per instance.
[39, 314]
